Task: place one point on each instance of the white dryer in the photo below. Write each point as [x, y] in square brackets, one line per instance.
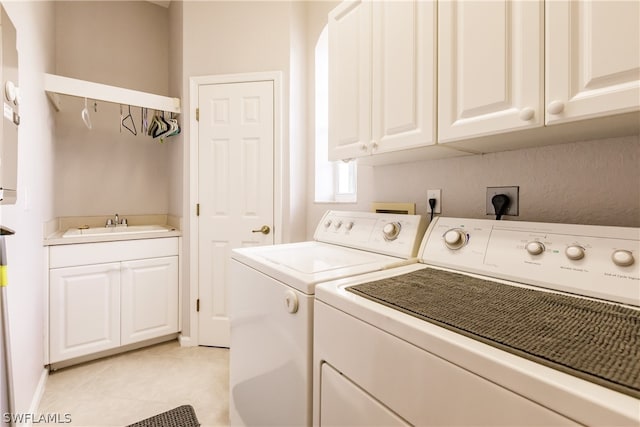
[271, 293]
[502, 323]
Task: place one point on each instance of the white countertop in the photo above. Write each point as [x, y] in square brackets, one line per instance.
[55, 229]
[57, 239]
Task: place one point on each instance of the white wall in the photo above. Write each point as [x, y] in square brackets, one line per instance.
[107, 170]
[35, 29]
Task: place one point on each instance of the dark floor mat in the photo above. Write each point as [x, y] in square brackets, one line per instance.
[182, 416]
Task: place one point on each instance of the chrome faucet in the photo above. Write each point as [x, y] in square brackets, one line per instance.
[114, 222]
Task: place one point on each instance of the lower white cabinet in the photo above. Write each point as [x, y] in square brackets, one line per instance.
[149, 299]
[84, 310]
[104, 305]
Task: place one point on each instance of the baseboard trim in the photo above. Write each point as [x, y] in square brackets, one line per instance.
[37, 395]
[186, 341]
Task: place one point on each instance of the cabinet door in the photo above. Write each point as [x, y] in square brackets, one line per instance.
[489, 67]
[84, 310]
[149, 300]
[349, 80]
[404, 84]
[592, 59]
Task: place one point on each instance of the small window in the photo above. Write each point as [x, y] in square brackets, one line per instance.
[335, 181]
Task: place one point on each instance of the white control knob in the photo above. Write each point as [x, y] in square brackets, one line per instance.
[349, 225]
[527, 114]
[337, 225]
[455, 239]
[10, 91]
[574, 252]
[535, 248]
[622, 258]
[327, 223]
[291, 301]
[391, 230]
[555, 107]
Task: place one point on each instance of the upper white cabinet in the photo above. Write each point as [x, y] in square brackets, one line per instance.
[349, 80]
[510, 74]
[490, 69]
[381, 77]
[592, 59]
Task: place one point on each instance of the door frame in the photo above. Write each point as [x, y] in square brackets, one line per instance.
[193, 229]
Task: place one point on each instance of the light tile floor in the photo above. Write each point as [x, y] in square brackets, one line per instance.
[129, 387]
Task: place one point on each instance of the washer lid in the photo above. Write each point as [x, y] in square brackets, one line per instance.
[303, 265]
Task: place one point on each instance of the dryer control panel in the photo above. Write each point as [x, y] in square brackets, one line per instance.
[597, 261]
[390, 234]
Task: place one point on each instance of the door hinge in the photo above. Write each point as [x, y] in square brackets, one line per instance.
[198, 305]
[197, 114]
[197, 209]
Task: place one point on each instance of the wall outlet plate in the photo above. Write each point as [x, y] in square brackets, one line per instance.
[435, 194]
[512, 192]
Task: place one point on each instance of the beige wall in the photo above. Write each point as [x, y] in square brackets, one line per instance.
[107, 170]
[589, 182]
[25, 294]
[592, 182]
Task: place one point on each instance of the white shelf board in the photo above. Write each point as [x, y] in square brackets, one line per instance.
[58, 85]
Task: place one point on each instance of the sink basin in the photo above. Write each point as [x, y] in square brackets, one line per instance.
[113, 231]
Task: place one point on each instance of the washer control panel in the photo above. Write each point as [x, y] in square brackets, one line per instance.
[597, 261]
[389, 234]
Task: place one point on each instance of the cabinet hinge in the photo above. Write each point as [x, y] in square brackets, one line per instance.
[197, 209]
[198, 305]
[197, 114]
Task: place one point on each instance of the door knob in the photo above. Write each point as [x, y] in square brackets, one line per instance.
[264, 230]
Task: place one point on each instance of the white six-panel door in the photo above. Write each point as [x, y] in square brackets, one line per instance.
[490, 72]
[235, 189]
[592, 58]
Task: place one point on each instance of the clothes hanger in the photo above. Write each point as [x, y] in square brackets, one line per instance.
[86, 118]
[128, 122]
[143, 115]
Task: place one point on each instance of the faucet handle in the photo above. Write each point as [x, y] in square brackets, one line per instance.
[109, 222]
[124, 222]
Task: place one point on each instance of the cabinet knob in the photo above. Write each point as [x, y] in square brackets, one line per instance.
[527, 114]
[363, 147]
[555, 107]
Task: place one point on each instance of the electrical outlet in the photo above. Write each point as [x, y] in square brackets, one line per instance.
[434, 194]
[512, 192]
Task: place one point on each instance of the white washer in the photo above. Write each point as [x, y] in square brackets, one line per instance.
[375, 364]
[271, 292]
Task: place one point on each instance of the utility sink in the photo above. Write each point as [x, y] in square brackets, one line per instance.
[112, 231]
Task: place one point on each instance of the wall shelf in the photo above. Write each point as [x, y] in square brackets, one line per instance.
[58, 85]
